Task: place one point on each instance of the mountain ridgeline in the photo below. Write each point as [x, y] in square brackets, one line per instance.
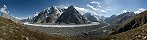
[48, 15]
[120, 18]
[57, 15]
[134, 22]
[90, 17]
[71, 15]
[122, 27]
[133, 28]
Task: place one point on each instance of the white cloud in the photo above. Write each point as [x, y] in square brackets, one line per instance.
[110, 9]
[97, 3]
[80, 9]
[92, 7]
[96, 6]
[4, 9]
[20, 18]
[84, 10]
[62, 6]
[140, 10]
[103, 11]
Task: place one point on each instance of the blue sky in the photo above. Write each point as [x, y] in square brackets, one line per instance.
[25, 8]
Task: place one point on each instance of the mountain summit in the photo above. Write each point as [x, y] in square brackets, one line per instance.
[71, 15]
[48, 15]
[53, 15]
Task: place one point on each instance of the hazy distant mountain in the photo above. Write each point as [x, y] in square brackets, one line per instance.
[94, 18]
[90, 17]
[120, 18]
[100, 18]
[29, 19]
[71, 15]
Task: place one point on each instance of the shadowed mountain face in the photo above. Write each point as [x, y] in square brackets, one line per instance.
[60, 15]
[71, 15]
[14, 31]
[132, 23]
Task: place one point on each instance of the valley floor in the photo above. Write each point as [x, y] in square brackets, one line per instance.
[79, 25]
[93, 29]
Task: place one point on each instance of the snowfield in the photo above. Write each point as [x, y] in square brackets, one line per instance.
[79, 25]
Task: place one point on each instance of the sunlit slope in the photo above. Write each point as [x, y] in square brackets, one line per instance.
[135, 21]
[14, 31]
[134, 28]
[139, 33]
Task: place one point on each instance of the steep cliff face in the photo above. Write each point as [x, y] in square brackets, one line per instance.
[71, 15]
[53, 15]
[49, 15]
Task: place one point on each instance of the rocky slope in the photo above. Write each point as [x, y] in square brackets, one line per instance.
[132, 23]
[120, 18]
[53, 15]
[131, 29]
[139, 33]
[14, 31]
[71, 16]
[49, 15]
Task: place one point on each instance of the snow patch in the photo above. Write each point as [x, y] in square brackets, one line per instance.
[140, 10]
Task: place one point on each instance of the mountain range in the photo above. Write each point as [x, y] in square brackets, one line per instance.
[58, 15]
[48, 15]
[129, 25]
[120, 18]
[71, 15]
[133, 28]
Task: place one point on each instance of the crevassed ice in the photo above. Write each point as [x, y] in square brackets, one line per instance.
[94, 23]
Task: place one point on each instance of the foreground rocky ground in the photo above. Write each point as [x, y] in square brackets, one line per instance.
[14, 31]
